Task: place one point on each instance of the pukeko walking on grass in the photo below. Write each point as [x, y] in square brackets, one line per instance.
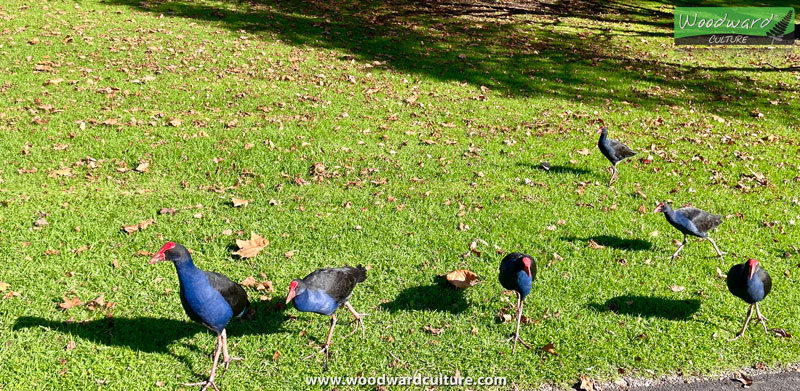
[207, 297]
[751, 283]
[691, 221]
[324, 291]
[614, 151]
[517, 272]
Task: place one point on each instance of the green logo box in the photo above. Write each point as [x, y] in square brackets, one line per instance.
[734, 26]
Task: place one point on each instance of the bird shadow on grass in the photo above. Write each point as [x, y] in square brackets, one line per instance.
[155, 335]
[555, 168]
[439, 296]
[614, 242]
[651, 307]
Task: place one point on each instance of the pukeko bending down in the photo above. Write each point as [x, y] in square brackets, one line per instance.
[751, 283]
[517, 272]
[691, 221]
[614, 151]
[324, 291]
[207, 297]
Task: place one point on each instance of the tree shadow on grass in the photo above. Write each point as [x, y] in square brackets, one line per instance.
[434, 38]
[439, 296]
[614, 242]
[651, 307]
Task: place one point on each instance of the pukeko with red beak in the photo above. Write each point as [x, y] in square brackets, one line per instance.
[517, 272]
[751, 283]
[614, 151]
[324, 291]
[691, 221]
[207, 297]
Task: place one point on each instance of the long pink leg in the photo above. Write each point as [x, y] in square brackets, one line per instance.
[226, 358]
[210, 381]
[358, 319]
[516, 337]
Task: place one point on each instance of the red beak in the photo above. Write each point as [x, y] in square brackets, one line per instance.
[290, 296]
[599, 131]
[526, 262]
[658, 208]
[753, 266]
[528, 270]
[158, 257]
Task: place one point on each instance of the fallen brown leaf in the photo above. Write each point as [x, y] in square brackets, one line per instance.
[69, 303]
[462, 278]
[237, 202]
[549, 348]
[251, 248]
[676, 288]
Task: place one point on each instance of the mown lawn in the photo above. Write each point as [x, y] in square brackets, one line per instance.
[391, 134]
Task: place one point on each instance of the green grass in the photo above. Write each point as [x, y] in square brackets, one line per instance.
[449, 112]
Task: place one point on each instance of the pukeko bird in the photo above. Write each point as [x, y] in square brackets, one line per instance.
[614, 151]
[751, 283]
[324, 291]
[691, 221]
[517, 272]
[207, 297]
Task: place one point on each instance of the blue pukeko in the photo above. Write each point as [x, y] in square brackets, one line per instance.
[208, 298]
[517, 272]
[324, 291]
[751, 283]
[614, 151]
[691, 221]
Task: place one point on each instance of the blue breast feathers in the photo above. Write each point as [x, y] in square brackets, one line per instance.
[755, 289]
[200, 300]
[319, 302]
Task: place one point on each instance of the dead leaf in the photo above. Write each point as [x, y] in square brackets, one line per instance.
[40, 222]
[237, 202]
[70, 346]
[143, 167]
[69, 303]
[462, 278]
[676, 288]
[97, 303]
[175, 122]
[433, 330]
[586, 384]
[130, 228]
[276, 355]
[251, 248]
[166, 211]
[146, 223]
[288, 254]
[3, 286]
[52, 252]
[60, 172]
[250, 281]
[594, 245]
[781, 333]
[584, 151]
[80, 249]
[550, 348]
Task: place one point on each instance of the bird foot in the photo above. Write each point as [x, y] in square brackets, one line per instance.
[736, 337]
[227, 362]
[205, 384]
[322, 349]
[516, 339]
[358, 322]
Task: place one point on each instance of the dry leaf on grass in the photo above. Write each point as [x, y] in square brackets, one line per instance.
[251, 248]
[594, 245]
[550, 348]
[433, 330]
[676, 288]
[237, 202]
[69, 303]
[584, 151]
[462, 278]
[586, 384]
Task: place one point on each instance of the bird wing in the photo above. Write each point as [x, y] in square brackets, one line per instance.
[621, 150]
[337, 283]
[701, 219]
[232, 292]
[765, 278]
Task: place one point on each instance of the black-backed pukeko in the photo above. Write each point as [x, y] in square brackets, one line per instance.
[691, 221]
[324, 291]
[751, 283]
[614, 151]
[517, 272]
[207, 297]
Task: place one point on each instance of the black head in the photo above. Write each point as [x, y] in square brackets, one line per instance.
[171, 251]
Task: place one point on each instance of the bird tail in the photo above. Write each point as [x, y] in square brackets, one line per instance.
[361, 273]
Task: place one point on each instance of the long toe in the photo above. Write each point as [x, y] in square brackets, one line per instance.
[205, 384]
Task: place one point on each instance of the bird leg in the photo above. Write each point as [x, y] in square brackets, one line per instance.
[685, 239]
[516, 337]
[324, 348]
[762, 319]
[613, 175]
[717, 249]
[746, 321]
[358, 319]
[210, 381]
[226, 358]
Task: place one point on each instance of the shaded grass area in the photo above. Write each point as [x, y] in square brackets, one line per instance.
[391, 134]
